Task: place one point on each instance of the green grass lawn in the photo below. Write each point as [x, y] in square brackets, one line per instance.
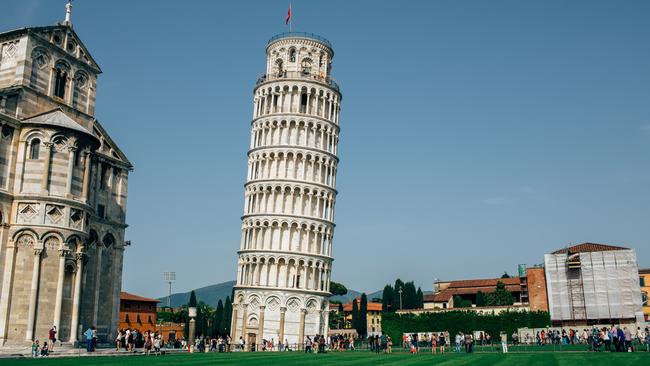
[352, 358]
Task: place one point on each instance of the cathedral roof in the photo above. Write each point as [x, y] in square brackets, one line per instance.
[588, 247]
[44, 32]
[56, 117]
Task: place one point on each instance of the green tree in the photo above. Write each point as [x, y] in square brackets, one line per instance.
[355, 314]
[191, 303]
[227, 317]
[500, 296]
[505, 275]
[409, 299]
[399, 285]
[387, 299]
[481, 299]
[363, 316]
[217, 320]
[420, 299]
[337, 289]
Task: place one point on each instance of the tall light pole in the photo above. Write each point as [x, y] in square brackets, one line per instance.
[400, 298]
[169, 277]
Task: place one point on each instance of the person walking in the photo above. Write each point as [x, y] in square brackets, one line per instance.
[458, 336]
[52, 337]
[442, 342]
[504, 342]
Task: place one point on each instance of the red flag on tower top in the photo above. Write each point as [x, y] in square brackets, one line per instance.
[288, 18]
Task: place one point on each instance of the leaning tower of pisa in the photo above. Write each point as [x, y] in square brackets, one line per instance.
[285, 256]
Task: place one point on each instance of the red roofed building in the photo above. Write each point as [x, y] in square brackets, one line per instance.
[373, 316]
[137, 312]
[528, 291]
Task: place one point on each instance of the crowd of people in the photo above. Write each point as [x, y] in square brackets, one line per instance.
[613, 338]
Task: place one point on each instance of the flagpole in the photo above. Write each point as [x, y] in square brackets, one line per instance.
[291, 16]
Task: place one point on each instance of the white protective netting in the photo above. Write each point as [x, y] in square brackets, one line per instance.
[610, 285]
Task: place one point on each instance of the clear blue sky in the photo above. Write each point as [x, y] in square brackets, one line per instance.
[476, 135]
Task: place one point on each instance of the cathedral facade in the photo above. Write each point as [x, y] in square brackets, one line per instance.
[285, 257]
[63, 189]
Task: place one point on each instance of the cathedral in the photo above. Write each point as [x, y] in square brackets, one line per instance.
[63, 189]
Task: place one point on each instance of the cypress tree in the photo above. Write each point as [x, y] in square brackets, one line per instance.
[409, 296]
[420, 299]
[227, 317]
[218, 319]
[387, 299]
[355, 314]
[399, 285]
[363, 316]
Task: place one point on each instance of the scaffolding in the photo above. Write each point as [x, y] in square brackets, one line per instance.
[593, 286]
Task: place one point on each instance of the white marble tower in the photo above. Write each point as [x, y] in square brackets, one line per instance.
[285, 258]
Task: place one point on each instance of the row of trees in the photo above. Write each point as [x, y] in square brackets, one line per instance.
[462, 321]
[209, 321]
[410, 299]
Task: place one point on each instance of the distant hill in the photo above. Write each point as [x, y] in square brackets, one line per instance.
[213, 293]
[208, 294]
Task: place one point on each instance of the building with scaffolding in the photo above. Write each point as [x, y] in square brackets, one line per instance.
[593, 284]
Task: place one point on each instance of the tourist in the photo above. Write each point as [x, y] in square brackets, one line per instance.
[433, 343]
[605, 338]
[458, 337]
[45, 350]
[515, 338]
[35, 349]
[620, 333]
[52, 337]
[148, 343]
[442, 342]
[242, 343]
[321, 344]
[647, 340]
[308, 345]
[504, 342]
[89, 339]
[468, 342]
[94, 338]
[628, 340]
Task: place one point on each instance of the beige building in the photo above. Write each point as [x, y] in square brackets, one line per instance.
[63, 189]
[285, 255]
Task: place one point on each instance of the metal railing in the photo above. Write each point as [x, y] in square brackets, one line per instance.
[298, 75]
[313, 36]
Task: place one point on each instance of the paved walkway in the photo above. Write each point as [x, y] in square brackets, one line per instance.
[68, 351]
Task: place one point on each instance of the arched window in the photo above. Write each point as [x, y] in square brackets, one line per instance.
[35, 149]
[279, 67]
[60, 81]
[292, 55]
[306, 66]
[138, 320]
[303, 103]
[126, 319]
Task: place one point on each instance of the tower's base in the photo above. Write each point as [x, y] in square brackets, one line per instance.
[278, 316]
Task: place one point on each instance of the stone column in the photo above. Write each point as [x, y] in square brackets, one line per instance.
[283, 312]
[46, 170]
[301, 328]
[59, 290]
[244, 324]
[68, 183]
[98, 272]
[233, 324]
[74, 327]
[260, 332]
[7, 280]
[86, 180]
[33, 292]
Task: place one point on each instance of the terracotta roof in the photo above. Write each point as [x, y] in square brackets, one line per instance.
[448, 293]
[372, 306]
[490, 282]
[132, 297]
[588, 247]
[644, 271]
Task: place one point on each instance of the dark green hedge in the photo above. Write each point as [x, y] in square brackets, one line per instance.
[461, 321]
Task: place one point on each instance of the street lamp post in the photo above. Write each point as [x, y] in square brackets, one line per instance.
[400, 298]
[191, 312]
